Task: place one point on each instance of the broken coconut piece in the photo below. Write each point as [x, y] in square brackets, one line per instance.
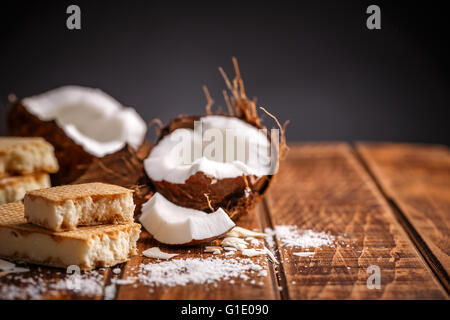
[229, 249]
[82, 123]
[253, 252]
[233, 242]
[66, 207]
[7, 267]
[230, 158]
[240, 232]
[26, 156]
[14, 270]
[259, 252]
[156, 253]
[304, 254]
[86, 247]
[172, 224]
[212, 249]
[124, 282]
[13, 188]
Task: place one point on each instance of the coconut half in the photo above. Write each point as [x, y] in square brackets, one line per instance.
[83, 124]
[184, 152]
[217, 160]
[175, 225]
[209, 179]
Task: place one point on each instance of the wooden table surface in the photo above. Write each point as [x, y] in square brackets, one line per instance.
[390, 200]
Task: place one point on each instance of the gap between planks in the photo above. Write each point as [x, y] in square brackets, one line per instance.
[277, 274]
[109, 276]
[277, 271]
[225, 291]
[421, 247]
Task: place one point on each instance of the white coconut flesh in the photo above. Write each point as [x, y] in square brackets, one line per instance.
[175, 225]
[90, 117]
[222, 147]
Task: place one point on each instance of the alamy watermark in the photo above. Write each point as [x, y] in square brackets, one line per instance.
[373, 22]
[73, 21]
[74, 281]
[374, 280]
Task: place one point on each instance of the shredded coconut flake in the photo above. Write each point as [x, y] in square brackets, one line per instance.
[87, 284]
[253, 252]
[110, 292]
[6, 265]
[156, 253]
[262, 273]
[291, 236]
[194, 270]
[271, 255]
[212, 249]
[116, 270]
[124, 282]
[303, 254]
[240, 232]
[234, 242]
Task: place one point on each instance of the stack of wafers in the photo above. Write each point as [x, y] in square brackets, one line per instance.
[88, 225]
[25, 164]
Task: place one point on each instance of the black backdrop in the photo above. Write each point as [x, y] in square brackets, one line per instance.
[313, 62]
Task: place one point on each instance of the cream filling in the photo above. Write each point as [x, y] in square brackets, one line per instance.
[70, 214]
[29, 158]
[42, 248]
[14, 188]
[100, 250]
[108, 251]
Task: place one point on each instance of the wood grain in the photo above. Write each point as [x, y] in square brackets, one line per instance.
[323, 187]
[47, 277]
[224, 289]
[416, 178]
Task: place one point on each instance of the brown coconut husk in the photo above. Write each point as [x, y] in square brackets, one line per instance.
[236, 196]
[73, 159]
[124, 168]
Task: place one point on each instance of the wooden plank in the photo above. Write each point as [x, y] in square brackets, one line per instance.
[323, 187]
[416, 178]
[48, 283]
[240, 289]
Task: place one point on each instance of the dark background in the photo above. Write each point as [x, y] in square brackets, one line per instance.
[313, 62]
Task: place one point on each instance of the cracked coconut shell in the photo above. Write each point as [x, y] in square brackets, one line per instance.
[238, 195]
[73, 158]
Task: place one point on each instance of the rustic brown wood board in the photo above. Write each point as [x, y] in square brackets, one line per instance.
[388, 205]
[416, 179]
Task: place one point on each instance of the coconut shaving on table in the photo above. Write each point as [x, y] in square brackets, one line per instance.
[240, 255]
[291, 236]
[245, 264]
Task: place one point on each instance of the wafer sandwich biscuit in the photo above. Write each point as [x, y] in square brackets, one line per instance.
[66, 207]
[86, 247]
[13, 188]
[26, 155]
